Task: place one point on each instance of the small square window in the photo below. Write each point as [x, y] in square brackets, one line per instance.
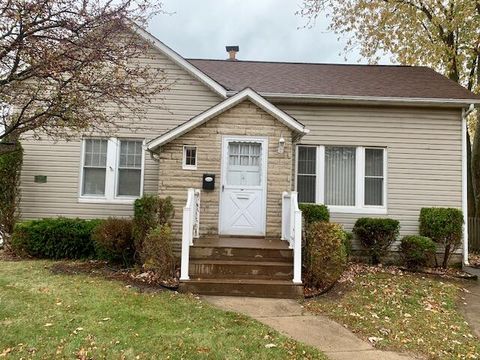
[190, 157]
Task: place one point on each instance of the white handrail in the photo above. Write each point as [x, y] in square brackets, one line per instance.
[190, 229]
[292, 231]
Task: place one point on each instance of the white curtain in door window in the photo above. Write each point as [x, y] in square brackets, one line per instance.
[340, 176]
[244, 163]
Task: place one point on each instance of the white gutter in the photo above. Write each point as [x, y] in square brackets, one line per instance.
[372, 100]
[465, 182]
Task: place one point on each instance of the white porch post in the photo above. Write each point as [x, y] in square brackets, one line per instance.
[464, 188]
[297, 245]
[187, 234]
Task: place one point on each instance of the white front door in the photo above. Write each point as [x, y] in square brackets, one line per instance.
[243, 187]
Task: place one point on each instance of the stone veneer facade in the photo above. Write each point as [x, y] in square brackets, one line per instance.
[244, 119]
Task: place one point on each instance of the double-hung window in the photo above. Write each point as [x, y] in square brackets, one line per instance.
[129, 175]
[112, 170]
[345, 178]
[189, 161]
[307, 174]
[94, 167]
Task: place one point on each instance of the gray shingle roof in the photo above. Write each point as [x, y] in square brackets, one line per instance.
[333, 79]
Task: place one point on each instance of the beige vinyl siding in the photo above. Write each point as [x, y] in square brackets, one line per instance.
[60, 161]
[424, 151]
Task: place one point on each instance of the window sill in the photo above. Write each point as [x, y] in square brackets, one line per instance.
[357, 210]
[189, 167]
[92, 200]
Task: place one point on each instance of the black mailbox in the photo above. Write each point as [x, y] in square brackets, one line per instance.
[208, 182]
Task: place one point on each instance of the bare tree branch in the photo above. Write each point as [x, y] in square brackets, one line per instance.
[62, 61]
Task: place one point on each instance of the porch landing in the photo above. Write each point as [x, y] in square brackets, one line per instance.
[241, 266]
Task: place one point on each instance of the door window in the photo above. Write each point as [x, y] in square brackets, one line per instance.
[244, 163]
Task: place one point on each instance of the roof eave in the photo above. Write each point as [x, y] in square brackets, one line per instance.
[365, 100]
[218, 109]
[179, 60]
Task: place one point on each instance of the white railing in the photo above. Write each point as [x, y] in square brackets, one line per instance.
[292, 231]
[190, 229]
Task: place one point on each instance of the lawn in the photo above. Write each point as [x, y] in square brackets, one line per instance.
[46, 316]
[403, 312]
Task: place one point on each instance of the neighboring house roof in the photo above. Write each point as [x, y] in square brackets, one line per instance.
[245, 94]
[335, 81]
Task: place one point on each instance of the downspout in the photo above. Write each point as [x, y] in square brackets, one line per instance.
[465, 114]
[154, 155]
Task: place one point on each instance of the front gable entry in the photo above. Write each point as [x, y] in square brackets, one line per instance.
[221, 143]
[246, 94]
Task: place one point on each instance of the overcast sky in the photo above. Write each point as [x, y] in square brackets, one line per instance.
[264, 30]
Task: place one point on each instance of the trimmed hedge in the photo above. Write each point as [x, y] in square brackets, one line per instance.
[312, 213]
[444, 226]
[56, 238]
[376, 235]
[417, 251]
[325, 257]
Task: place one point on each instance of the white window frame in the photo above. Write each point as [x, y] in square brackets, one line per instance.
[184, 157]
[360, 207]
[111, 176]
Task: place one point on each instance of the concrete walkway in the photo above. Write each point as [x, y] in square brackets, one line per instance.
[289, 318]
[471, 306]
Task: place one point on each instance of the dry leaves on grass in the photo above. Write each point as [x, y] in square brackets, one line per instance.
[132, 276]
[403, 311]
[474, 260]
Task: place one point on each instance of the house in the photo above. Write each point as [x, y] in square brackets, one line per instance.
[238, 144]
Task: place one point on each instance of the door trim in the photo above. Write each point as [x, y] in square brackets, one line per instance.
[225, 140]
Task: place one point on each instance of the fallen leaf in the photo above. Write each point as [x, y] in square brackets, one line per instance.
[374, 339]
[5, 352]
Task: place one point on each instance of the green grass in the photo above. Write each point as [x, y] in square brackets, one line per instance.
[47, 316]
[404, 312]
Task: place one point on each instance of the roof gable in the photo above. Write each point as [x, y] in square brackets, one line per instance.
[179, 60]
[246, 94]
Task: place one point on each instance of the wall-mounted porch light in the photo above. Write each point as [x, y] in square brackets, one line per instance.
[281, 145]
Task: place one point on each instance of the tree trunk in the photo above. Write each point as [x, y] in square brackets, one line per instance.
[446, 256]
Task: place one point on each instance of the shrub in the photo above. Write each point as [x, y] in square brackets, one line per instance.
[150, 211]
[312, 213]
[376, 235]
[157, 251]
[59, 238]
[10, 168]
[114, 241]
[417, 250]
[347, 242]
[325, 257]
[444, 226]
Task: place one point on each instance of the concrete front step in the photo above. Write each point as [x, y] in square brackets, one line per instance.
[243, 287]
[200, 251]
[233, 269]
